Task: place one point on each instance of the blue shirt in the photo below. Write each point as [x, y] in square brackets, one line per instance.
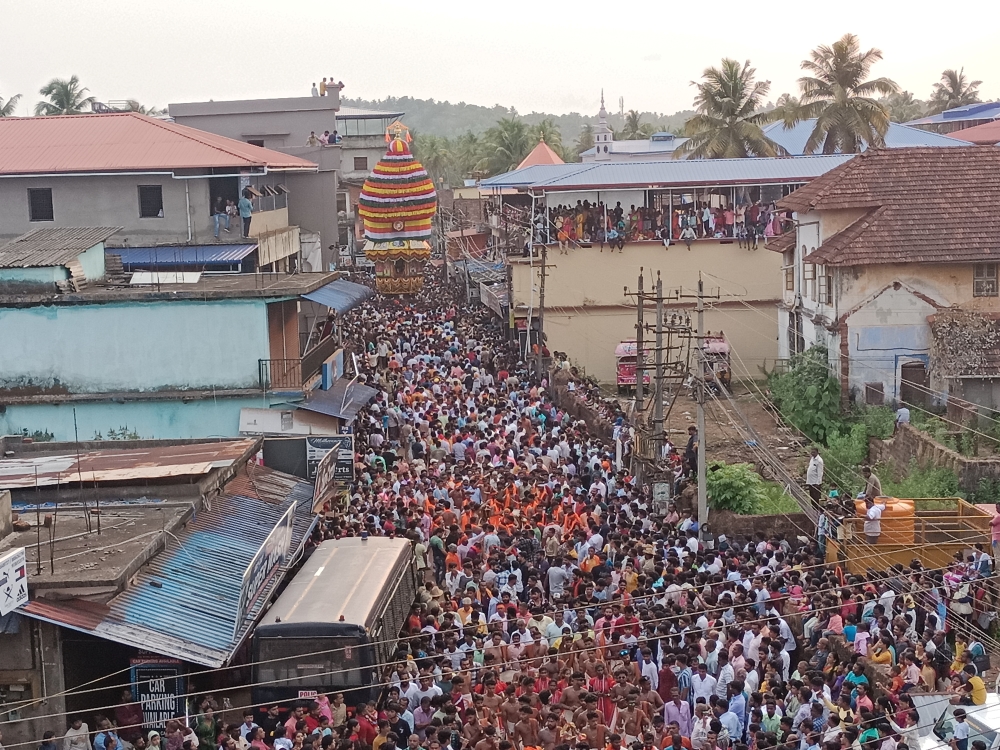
[245, 207]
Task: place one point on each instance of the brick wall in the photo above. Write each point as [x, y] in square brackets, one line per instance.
[910, 444]
[734, 525]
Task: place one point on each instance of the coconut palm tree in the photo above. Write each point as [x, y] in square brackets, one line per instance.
[433, 152]
[903, 107]
[548, 131]
[728, 120]
[840, 96]
[142, 109]
[585, 140]
[7, 107]
[787, 110]
[65, 97]
[466, 153]
[953, 90]
[634, 128]
[505, 145]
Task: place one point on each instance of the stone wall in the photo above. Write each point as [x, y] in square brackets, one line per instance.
[734, 525]
[577, 407]
[911, 445]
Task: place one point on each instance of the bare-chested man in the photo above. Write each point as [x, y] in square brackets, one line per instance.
[526, 730]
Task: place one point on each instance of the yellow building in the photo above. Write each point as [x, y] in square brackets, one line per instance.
[587, 309]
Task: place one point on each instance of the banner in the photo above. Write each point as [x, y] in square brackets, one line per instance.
[272, 553]
[330, 461]
[13, 581]
[158, 687]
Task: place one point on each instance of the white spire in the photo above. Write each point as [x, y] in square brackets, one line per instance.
[603, 136]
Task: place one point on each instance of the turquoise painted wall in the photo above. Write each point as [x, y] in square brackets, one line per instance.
[92, 262]
[161, 420]
[134, 347]
[46, 275]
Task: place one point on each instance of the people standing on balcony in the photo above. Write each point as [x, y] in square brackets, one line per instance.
[245, 208]
[312, 140]
[315, 91]
[219, 216]
[322, 87]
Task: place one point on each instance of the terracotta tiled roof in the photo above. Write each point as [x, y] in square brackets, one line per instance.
[124, 142]
[782, 242]
[987, 134]
[920, 205]
[540, 154]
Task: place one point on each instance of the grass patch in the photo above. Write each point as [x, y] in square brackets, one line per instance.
[775, 501]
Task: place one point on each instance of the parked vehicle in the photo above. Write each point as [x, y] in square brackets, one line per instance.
[626, 354]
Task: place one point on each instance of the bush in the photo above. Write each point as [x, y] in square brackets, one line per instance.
[807, 395]
[880, 421]
[987, 491]
[845, 453]
[923, 483]
[776, 501]
[735, 487]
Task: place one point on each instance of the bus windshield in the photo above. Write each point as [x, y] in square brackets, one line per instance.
[310, 663]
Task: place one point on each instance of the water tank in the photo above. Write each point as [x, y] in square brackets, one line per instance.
[897, 519]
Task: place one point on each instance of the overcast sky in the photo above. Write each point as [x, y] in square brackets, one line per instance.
[540, 55]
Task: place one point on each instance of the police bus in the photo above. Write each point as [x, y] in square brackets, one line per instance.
[337, 623]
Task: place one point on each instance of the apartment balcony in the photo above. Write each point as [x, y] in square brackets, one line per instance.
[292, 375]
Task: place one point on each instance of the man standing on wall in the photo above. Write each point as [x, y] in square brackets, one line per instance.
[814, 476]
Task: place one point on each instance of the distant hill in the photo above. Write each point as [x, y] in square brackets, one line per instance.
[431, 117]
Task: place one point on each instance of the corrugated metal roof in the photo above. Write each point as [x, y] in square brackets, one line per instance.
[182, 255]
[120, 465]
[977, 111]
[51, 246]
[987, 134]
[644, 146]
[124, 142]
[333, 404]
[794, 139]
[163, 610]
[359, 113]
[670, 173]
[340, 295]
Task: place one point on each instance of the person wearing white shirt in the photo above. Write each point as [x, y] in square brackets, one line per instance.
[814, 476]
[726, 675]
[702, 684]
[648, 668]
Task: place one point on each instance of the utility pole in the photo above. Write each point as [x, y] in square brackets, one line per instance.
[702, 492]
[541, 311]
[639, 367]
[658, 385]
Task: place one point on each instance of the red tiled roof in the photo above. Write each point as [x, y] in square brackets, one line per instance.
[124, 142]
[987, 134]
[540, 154]
[922, 205]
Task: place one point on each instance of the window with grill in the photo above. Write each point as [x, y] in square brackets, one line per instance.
[150, 202]
[40, 204]
[361, 163]
[790, 279]
[984, 280]
[875, 394]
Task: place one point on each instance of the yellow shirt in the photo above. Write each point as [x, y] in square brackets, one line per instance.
[978, 690]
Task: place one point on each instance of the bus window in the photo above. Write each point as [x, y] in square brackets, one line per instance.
[304, 663]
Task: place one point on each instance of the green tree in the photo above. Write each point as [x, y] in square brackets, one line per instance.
[65, 97]
[466, 154]
[142, 109]
[953, 90]
[635, 129]
[585, 140]
[808, 396]
[838, 93]
[433, 152]
[787, 110]
[735, 487]
[903, 107]
[7, 107]
[548, 131]
[505, 145]
[728, 120]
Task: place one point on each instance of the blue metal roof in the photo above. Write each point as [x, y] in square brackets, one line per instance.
[182, 255]
[184, 603]
[794, 139]
[333, 404]
[340, 295]
[669, 173]
[977, 111]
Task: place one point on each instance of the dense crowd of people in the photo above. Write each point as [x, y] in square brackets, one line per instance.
[559, 612]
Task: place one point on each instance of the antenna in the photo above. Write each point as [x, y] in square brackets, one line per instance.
[621, 107]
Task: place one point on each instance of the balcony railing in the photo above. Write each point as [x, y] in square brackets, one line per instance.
[292, 374]
[280, 374]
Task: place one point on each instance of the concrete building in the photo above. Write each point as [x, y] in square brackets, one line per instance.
[356, 141]
[587, 311]
[657, 147]
[157, 180]
[176, 541]
[168, 355]
[885, 245]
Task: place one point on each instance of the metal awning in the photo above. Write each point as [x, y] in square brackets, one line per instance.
[219, 544]
[343, 401]
[340, 295]
[182, 255]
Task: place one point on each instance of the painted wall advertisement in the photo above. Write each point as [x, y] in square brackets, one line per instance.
[272, 553]
[13, 581]
[158, 687]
